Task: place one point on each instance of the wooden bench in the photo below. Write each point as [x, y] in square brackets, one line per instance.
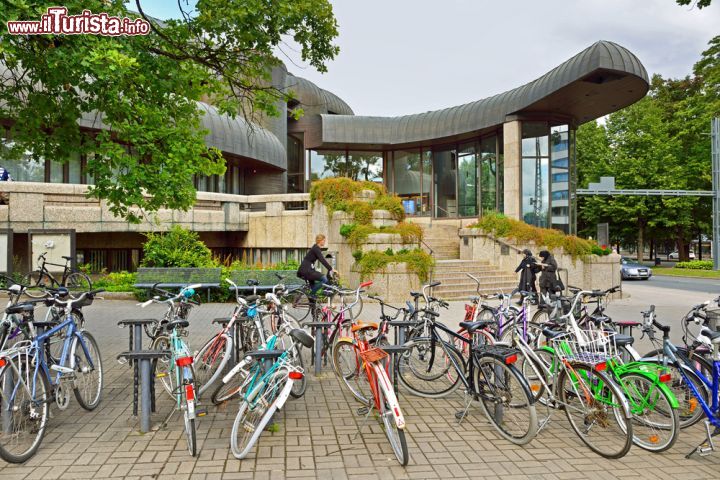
[266, 279]
[177, 277]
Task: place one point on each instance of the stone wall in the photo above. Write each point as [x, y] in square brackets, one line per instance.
[593, 272]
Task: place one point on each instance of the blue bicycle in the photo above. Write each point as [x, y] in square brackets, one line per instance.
[29, 381]
[678, 357]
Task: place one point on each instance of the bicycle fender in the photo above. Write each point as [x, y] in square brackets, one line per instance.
[653, 377]
[285, 393]
[389, 393]
[234, 370]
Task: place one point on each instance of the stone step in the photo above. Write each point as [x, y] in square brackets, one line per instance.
[476, 272]
[461, 278]
[466, 262]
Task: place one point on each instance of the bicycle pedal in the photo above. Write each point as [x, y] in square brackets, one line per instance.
[61, 369]
[460, 414]
[201, 412]
[160, 375]
[363, 411]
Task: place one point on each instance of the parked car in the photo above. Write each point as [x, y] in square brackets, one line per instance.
[631, 269]
[676, 256]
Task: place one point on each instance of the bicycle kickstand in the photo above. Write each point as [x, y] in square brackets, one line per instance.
[461, 414]
[708, 446]
[366, 411]
[165, 422]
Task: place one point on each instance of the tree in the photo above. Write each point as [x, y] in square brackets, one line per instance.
[147, 89]
[696, 3]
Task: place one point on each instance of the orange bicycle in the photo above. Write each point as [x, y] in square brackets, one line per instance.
[363, 370]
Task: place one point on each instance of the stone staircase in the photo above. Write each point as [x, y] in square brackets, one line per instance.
[456, 283]
[451, 271]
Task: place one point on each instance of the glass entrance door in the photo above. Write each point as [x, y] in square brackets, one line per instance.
[445, 183]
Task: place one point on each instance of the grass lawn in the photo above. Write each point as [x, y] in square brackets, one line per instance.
[685, 272]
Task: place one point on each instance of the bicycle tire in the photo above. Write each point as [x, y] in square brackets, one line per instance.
[503, 388]
[395, 435]
[254, 418]
[534, 334]
[689, 410]
[228, 390]
[78, 282]
[87, 395]
[190, 434]
[536, 375]
[415, 373]
[645, 398]
[35, 281]
[209, 366]
[164, 370]
[296, 359]
[350, 369]
[603, 401]
[300, 303]
[42, 399]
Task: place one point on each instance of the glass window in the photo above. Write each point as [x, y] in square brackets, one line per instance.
[296, 165]
[427, 160]
[445, 183]
[468, 180]
[326, 164]
[559, 185]
[501, 177]
[535, 174]
[488, 174]
[74, 169]
[366, 166]
[56, 172]
[407, 180]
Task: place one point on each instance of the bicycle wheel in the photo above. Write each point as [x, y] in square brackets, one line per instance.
[190, 434]
[536, 372]
[533, 334]
[689, 409]
[78, 282]
[596, 409]
[35, 281]
[430, 374]
[164, 368]
[253, 416]
[395, 435]
[209, 363]
[350, 368]
[300, 304]
[22, 417]
[295, 358]
[655, 423]
[87, 365]
[506, 400]
[228, 390]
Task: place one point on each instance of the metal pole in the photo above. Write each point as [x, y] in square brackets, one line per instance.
[715, 149]
[145, 399]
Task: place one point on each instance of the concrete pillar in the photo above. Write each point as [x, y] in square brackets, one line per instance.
[512, 142]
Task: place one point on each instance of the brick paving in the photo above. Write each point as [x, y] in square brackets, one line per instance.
[319, 436]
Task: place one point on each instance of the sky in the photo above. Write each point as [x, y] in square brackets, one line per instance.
[408, 56]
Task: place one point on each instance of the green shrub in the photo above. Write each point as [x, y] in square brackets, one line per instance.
[501, 226]
[116, 282]
[392, 204]
[338, 194]
[176, 248]
[696, 265]
[389, 252]
[347, 229]
[418, 262]
[357, 255]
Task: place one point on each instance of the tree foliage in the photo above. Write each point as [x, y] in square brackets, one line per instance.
[147, 88]
[696, 3]
[660, 142]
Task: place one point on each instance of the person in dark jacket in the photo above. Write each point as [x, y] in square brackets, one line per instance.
[306, 270]
[548, 277]
[527, 268]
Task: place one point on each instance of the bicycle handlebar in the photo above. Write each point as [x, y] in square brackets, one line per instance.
[69, 302]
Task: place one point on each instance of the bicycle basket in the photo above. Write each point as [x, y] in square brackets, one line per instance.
[373, 355]
[587, 346]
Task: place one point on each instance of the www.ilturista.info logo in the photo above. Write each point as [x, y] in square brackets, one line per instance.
[57, 22]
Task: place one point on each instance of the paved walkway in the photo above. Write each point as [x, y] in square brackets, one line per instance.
[319, 436]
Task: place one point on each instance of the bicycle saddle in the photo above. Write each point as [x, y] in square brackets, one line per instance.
[177, 324]
[358, 327]
[67, 258]
[252, 283]
[472, 326]
[20, 308]
[303, 337]
[251, 298]
[264, 354]
[552, 333]
[713, 336]
[416, 294]
[623, 340]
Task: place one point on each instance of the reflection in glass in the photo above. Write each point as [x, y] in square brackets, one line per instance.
[327, 164]
[74, 168]
[296, 165]
[367, 166]
[535, 174]
[488, 175]
[445, 186]
[408, 181]
[467, 176]
[559, 183]
[427, 158]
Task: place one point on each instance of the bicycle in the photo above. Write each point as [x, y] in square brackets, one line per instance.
[266, 389]
[434, 368]
[27, 385]
[37, 280]
[356, 361]
[304, 302]
[177, 374]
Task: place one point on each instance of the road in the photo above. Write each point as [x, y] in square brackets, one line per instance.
[704, 285]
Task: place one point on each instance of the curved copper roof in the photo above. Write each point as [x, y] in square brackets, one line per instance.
[315, 99]
[599, 80]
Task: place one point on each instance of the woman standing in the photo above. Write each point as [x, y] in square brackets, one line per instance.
[548, 277]
[306, 270]
[527, 268]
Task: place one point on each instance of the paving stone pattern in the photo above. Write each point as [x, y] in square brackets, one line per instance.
[319, 436]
